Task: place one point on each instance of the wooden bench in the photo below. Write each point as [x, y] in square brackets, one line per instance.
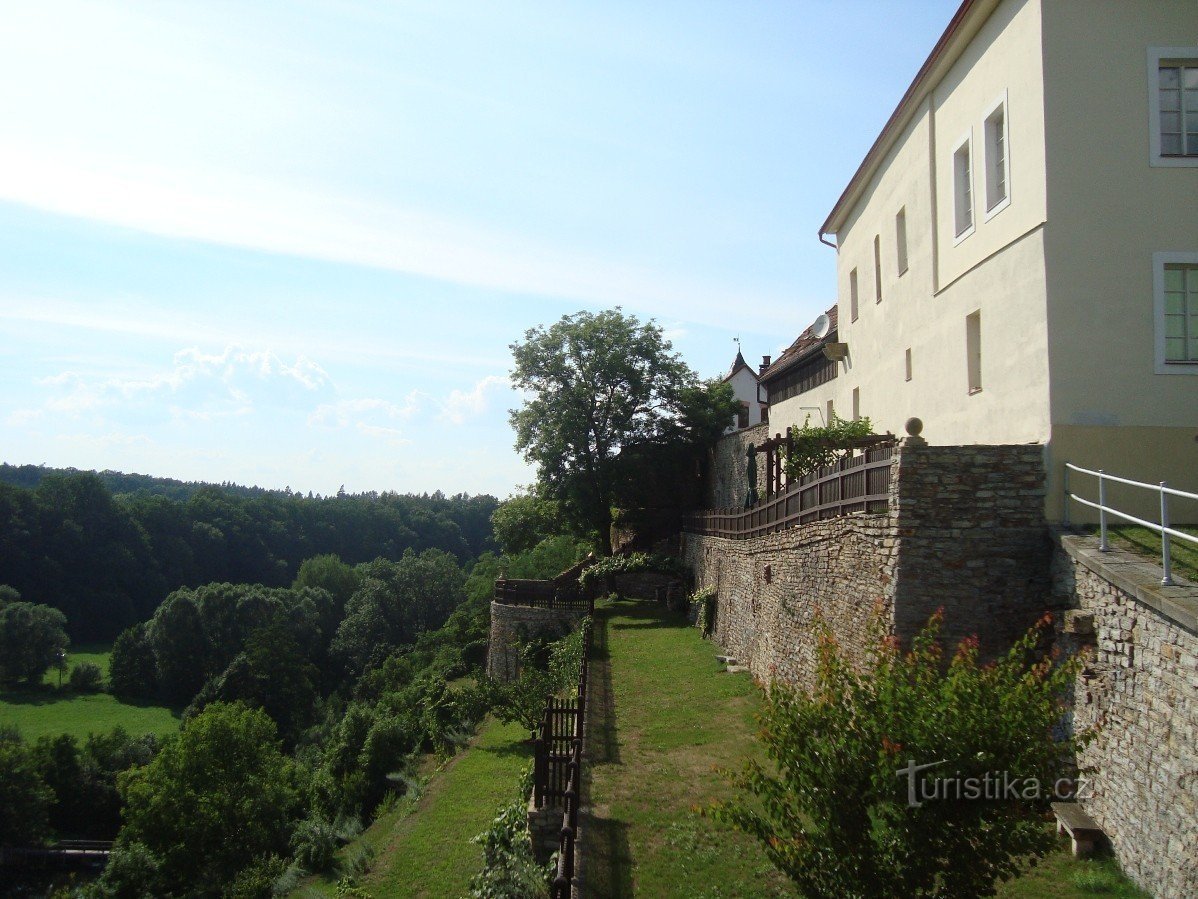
[1082, 829]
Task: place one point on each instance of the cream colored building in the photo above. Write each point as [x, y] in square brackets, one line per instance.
[1017, 255]
[754, 408]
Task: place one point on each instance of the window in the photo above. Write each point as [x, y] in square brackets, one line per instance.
[877, 268]
[973, 350]
[907, 363]
[853, 294]
[765, 414]
[831, 413]
[742, 415]
[856, 404]
[997, 163]
[900, 240]
[963, 189]
[1175, 289]
[1173, 106]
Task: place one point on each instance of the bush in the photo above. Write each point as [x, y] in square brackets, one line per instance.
[705, 598]
[314, 844]
[86, 677]
[814, 448]
[509, 869]
[257, 880]
[836, 816]
[610, 566]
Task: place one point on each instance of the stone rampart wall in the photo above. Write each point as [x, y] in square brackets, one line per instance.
[511, 626]
[727, 482]
[964, 532]
[1139, 695]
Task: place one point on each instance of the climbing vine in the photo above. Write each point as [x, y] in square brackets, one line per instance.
[814, 448]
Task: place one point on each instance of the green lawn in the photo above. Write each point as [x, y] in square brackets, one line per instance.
[1148, 543]
[48, 711]
[665, 714]
[423, 848]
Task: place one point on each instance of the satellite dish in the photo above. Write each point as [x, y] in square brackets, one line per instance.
[821, 326]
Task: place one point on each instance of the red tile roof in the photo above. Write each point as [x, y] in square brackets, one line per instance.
[801, 348]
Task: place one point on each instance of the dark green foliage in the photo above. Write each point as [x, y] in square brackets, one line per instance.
[835, 816]
[257, 880]
[396, 602]
[132, 669]
[329, 573]
[813, 448]
[86, 677]
[524, 520]
[106, 549]
[132, 872]
[705, 599]
[24, 797]
[545, 670]
[629, 564]
[32, 640]
[314, 844]
[509, 869]
[601, 384]
[218, 797]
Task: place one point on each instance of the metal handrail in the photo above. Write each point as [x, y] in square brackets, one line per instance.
[1163, 528]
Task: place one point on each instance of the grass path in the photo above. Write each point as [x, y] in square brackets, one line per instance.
[663, 714]
[424, 848]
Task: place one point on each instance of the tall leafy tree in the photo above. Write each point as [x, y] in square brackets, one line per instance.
[32, 638]
[216, 798]
[600, 385]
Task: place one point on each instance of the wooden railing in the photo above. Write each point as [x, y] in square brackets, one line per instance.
[857, 483]
[557, 767]
[541, 595]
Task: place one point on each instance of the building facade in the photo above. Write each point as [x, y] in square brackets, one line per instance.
[1017, 254]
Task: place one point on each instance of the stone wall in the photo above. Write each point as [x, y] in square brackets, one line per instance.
[512, 626]
[1139, 694]
[727, 483]
[963, 531]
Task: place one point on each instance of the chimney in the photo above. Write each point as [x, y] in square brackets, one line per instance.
[765, 363]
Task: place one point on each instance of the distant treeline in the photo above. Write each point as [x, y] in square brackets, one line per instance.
[108, 558]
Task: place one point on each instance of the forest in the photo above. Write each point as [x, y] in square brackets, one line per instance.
[107, 548]
[307, 689]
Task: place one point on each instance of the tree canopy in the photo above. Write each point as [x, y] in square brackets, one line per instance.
[601, 387]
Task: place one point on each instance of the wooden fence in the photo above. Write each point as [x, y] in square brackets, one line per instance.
[856, 483]
[541, 595]
[557, 767]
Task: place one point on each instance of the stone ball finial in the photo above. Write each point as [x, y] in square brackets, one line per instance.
[914, 427]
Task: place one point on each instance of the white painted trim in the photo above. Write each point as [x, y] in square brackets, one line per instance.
[966, 140]
[999, 103]
[1155, 56]
[1159, 261]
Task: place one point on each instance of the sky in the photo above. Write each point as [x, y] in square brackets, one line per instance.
[289, 243]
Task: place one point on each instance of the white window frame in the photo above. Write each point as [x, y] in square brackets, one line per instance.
[966, 141]
[1157, 55]
[998, 105]
[1159, 261]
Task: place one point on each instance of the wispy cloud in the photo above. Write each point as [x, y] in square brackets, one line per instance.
[461, 405]
[236, 210]
[195, 385]
[371, 416]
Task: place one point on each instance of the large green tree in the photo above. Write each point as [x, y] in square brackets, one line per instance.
[602, 386]
[32, 638]
[216, 798]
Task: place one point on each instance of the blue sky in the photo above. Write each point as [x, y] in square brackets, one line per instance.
[289, 243]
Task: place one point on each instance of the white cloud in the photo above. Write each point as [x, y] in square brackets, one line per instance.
[369, 415]
[464, 404]
[197, 384]
[252, 212]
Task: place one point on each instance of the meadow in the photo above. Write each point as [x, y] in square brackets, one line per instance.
[48, 710]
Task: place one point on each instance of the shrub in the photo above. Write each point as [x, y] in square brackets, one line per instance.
[705, 598]
[314, 844]
[509, 869]
[86, 677]
[836, 816]
[610, 566]
[814, 448]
